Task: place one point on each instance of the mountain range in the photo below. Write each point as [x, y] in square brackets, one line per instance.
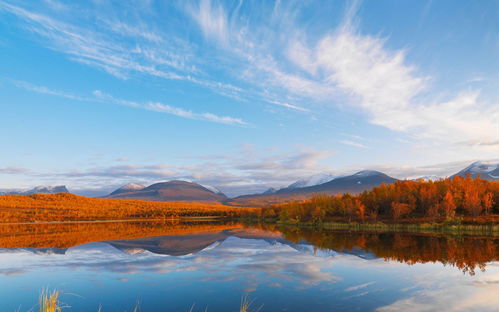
[356, 183]
[38, 190]
[326, 183]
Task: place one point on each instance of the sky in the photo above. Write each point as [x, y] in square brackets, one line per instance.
[244, 95]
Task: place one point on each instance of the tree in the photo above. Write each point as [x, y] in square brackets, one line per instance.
[472, 203]
[400, 210]
[449, 205]
[360, 209]
[488, 202]
[432, 211]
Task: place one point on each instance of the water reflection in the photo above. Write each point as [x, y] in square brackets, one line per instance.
[171, 266]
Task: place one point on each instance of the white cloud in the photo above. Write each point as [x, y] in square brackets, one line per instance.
[343, 65]
[352, 143]
[99, 96]
[150, 53]
[172, 110]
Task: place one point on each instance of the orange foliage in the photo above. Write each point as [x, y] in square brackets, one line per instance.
[433, 200]
[69, 207]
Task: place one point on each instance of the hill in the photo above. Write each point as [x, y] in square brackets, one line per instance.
[169, 191]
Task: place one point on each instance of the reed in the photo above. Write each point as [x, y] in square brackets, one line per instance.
[48, 301]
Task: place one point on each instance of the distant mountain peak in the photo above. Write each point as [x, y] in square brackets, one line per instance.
[212, 188]
[312, 180]
[488, 170]
[130, 187]
[368, 173]
[175, 190]
[39, 190]
[427, 178]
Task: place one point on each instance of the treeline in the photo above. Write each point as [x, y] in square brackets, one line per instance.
[69, 207]
[402, 201]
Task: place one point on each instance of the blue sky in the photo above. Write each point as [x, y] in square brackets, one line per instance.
[244, 95]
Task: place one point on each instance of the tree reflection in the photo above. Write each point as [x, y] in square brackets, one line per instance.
[466, 252]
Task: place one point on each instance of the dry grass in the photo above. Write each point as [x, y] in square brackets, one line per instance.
[48, 301]
[69, 207]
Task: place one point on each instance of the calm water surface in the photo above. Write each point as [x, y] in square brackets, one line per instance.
[171, 267]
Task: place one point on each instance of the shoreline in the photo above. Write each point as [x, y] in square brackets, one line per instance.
[489, 230]
[201, 218]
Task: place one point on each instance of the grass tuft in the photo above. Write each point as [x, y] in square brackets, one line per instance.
[48, 301]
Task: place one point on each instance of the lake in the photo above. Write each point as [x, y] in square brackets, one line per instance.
[199, 266]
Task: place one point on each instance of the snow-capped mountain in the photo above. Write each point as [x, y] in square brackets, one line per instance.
[131, 187]
[355, 183]
[212, 188]
[175, 190]
[312, 181]
[427, 178]
[38, 190]
[487, 170]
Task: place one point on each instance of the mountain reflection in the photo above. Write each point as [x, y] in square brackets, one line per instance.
[465, 252]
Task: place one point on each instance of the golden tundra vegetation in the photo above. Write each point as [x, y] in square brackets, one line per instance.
[69, 207]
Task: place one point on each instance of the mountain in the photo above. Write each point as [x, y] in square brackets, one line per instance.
[213, 189]
[270, 191]
[312, 181]
[427, 178]
[356, 183]
[171, 191]
[131, 187]
[486, 170]
[39, 190]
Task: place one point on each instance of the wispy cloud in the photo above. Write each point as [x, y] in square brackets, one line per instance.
[352, 143]
[13, 170]
[45, 90]
[162, 55]
[346, 66]
[172, 110]
[99, 96]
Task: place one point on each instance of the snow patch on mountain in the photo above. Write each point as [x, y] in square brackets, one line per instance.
[481, 167]
[212, 189]
[488, 170]
[38, 190]
[367, 173]
[427, 178]
[313, 180]
[132, 187]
